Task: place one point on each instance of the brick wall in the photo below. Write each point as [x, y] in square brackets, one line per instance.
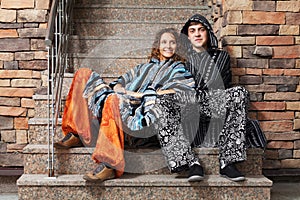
[22, 62]
[263, 40]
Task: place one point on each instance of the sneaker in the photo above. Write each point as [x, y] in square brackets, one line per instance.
[69, 141]
[101, 173]
[232, 173]
[196, 173]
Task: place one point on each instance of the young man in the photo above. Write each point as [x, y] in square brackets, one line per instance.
[217, 99]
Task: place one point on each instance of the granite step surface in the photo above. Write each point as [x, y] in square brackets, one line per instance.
[140, 3]
[138, 160]
[132, 186]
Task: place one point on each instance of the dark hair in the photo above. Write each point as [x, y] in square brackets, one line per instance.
[155, 53]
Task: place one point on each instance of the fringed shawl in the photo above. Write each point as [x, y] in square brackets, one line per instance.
[144, 78]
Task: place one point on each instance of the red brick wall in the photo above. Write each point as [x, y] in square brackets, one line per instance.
[22, 62]
[263, 40]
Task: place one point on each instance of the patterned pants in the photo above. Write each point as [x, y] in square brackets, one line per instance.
[227, 111]
[175, 145]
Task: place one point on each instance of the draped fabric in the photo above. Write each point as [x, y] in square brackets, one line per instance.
[148, 79]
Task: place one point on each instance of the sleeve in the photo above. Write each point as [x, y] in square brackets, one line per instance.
[226, 70]
[127, 77]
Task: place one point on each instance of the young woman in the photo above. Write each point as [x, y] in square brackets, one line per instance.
[134, 101]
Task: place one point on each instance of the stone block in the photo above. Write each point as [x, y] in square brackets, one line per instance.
[268, 106]
[11, 65]
[40, 55]
[292, 72]
[278, 80]
[274, 40]
[296, 153]
[21, 123]
[252, 71]
[258, 29]
[37, 44]
[296, 124]
[285, 154]
[7, 101]
[263, 51]
[16, 74]
[264, 6]
[290, 163]
[33, 65]
[260, 17]
[280, 145]
[289, 30]
[27, 103]
[288, 6]
[273, 72]
[8, 136]
[293, 18]
[261, 88]
[253, 63]
[236, 40]
[286, 51]
[11, 159]
[30, 15]
[8, 33]
[16, 4]
[8, 16]
[250, 80]
[293, 105]
[285, 96]
[42, 4]
[282, 63]
[16, 92]
[286, 88]
[24, 55]
[297, 145]
[238, 5]
[6, 56]
[19, 83]
[275, 115]
[32, 32]
[234, 17]
[6, 123]
[12, 111]
[20, 44]
[4, 83]
[21, 135]
[271, 154]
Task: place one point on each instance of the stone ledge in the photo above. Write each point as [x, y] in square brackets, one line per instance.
[141, 180]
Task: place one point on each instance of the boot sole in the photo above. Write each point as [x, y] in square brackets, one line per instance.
[195, 178]
[236, 179]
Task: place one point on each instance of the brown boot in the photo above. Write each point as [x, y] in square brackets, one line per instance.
[101, 173]
[69, 141]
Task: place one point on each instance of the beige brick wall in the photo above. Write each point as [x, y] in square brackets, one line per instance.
[22, 61]
[263, 39]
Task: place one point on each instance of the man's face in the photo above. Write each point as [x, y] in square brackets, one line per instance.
[198, 36]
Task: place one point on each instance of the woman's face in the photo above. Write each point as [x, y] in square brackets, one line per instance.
[167, 46]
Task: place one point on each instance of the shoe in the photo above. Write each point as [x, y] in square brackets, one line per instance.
[195, 173]
[101, 173]
[232, 173]
[69, 141]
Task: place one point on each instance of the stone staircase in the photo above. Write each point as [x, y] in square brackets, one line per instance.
[111, 36]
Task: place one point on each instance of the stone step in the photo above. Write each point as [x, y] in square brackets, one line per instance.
[118, 29]
[142, 160]
[143, 14]
[139, 3]
[132, 186]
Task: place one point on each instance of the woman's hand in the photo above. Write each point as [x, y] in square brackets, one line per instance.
[119, 89]
[169, 91]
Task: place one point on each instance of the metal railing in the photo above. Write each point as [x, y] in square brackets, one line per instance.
[59, 29]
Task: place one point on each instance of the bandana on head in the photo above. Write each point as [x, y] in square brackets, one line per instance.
[213, 41]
